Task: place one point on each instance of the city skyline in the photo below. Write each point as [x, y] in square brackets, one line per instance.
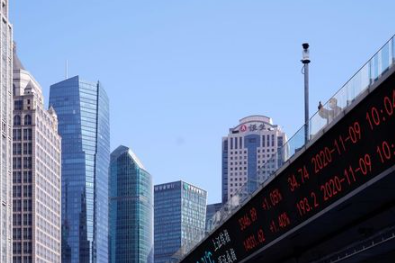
[170, 80]
[234, 47]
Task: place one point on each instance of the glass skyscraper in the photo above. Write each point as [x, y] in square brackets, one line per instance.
[130, 209]
[179, 217]
[83, 115]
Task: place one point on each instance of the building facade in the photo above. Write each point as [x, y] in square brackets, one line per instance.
[130, 209]
[83, 115]
[179, 217]
[6, 63]
[36, 183]
[250, 154]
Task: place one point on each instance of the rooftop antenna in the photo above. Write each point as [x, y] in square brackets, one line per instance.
[66, 69]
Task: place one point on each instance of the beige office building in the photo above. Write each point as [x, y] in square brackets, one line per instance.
[251, 153]
[6, 134]
[36, 173]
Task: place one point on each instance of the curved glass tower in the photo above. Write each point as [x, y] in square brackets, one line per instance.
[83, 115]
[130, 209]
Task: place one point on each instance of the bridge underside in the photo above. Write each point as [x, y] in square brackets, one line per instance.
[360, 229]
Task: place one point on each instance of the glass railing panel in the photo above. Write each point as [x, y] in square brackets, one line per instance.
[384, 57]
[374, 68]
[392, 41]
[295, 143]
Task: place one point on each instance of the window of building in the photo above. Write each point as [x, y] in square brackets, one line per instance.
[17, 120]
[231, 143]
[27, 148]
[16, 177]
[27, 206]
[27, 233]
[18, 104]
[17, 134]
[17, 163]
[16, 248]
[27, 191]
[16, 233]
[16, 191]
[27, 162]
[28, 120]
[16, 149]
[27, 176]
[27, 134]
[280, 141]
[16, 207]
[27, 247]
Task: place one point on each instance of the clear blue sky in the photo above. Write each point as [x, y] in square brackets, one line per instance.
[180, 73]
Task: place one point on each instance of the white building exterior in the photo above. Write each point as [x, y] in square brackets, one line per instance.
[6, 134]
[249, 153]
[36, 173]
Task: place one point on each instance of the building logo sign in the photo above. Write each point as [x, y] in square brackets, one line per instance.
[190, 188]
[252, 127]
[164, 187]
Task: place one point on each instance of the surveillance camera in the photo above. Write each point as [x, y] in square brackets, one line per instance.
[305, 45]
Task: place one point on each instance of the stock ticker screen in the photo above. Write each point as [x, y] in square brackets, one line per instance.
[354, 151]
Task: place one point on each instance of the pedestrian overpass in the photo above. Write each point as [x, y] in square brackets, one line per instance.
[333, 199]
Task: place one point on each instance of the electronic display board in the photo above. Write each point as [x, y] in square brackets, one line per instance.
[354, 151]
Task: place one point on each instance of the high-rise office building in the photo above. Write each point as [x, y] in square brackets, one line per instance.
[5, 138]
[130, 209]
[179, 217]
[249, 153]
[36, 172]
[83, 115]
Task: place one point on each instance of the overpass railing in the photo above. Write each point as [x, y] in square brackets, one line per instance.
[368, 74]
